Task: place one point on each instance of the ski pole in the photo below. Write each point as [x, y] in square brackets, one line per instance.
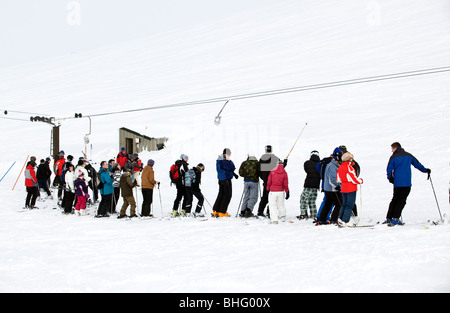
[160, 201]
[7, 171]
[20, 172]
[360, 201]
[432, 186]
[306, 124]
[239, 207]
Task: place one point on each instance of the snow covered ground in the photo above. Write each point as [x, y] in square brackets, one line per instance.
[276, 46]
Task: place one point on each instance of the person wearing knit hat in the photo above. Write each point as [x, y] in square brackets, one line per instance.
[148, 184]
[346, 176]
[82, 193]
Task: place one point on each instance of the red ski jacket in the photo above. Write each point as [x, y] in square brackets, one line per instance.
[122, 159]
[278, 180]
[30, 176]
[59, 166]
[346, 175]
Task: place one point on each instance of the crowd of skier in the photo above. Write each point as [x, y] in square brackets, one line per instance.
[336, 175]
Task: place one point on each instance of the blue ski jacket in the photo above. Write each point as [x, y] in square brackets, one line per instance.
[105, 177]
[225, 169]
[399, 168]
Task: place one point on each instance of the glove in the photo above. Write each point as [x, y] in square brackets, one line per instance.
[391, 180]
[288, 195]
[429, 173]
[87, 196]
[235, 175]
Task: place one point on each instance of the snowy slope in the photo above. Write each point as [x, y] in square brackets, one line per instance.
[272, 47]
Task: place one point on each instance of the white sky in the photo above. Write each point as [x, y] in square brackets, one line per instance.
[31, 30]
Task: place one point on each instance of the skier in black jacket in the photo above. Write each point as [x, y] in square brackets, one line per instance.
[310, 187]
[43, 175]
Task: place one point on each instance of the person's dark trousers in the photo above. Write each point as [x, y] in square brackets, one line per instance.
[190, 193]
[264, 199]
[32, 194]
[147, 194]
[180, 195]
[68, 204]
[200, 199]
[115, 199]
[224, 196]
[42, 183]
[105, 204]
[398, 202]
[331, 198]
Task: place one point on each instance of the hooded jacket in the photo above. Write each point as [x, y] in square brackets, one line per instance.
[312, 179]
[278, 180]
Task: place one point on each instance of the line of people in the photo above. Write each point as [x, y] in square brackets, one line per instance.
[337, 176]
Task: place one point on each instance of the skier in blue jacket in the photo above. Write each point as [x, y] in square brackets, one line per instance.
[399, 174]
[106, 191]
[225, 172]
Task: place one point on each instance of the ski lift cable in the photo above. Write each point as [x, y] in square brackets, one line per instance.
[273, 92]
[289, 90]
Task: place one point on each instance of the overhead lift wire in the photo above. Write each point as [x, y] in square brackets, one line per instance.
[287, 90]
[274, 92]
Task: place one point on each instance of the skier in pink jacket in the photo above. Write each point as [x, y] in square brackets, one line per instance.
[277, 185]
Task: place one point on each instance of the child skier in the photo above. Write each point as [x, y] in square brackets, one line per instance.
[193, 178]
[81, 191]
[126, 187]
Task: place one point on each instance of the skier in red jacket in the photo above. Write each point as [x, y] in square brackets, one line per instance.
[277, 185]
[31, 184]
[346, 175]
[122, 157]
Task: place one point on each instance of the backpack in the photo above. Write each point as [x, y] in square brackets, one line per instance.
[174, 173]
[99, 184]
[189, 178]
